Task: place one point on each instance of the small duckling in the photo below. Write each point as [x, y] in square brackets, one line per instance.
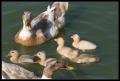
[64, 50]
[83, 44]
[13, 71]
[85, 59]
[73, 54]
[15, 57]
[40, 58]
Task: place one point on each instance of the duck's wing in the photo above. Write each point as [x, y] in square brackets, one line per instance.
[39, 22]
[83, 44]
[59, 12]
[49, 60]
[16, 72]
[26, 59]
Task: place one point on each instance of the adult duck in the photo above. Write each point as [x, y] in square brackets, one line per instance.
[45, 26]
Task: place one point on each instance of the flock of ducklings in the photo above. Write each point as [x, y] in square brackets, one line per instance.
[31, 35]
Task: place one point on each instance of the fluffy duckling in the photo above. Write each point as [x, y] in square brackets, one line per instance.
[82, 44]
[85, 59]
[12, 71]
[16, 57]
[73, 54]
[64, 50]
[43, 27]
[40, 58]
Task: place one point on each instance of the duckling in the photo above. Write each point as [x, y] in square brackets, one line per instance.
[40, 58]
[45, 26]
[16, 57]
[13, 71]
[64, 50]
[72, 54]
[85, 59]
[82, 44]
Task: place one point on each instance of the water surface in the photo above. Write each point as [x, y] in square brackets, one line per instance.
[93, 21]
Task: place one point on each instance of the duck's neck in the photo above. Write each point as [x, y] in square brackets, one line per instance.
[60, 46]
[25, 33]
[75, 42]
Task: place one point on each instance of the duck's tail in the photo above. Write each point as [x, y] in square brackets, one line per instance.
[60, 8]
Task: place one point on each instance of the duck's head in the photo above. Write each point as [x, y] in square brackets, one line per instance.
[27, 20]
[40, 56]
[13, 53]
[75, 37]
[60, 40]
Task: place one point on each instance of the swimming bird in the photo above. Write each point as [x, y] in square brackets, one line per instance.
[38, 30]
[13, 71]
[64, 50]
[82, 44]
[16, 57]
[73, 54]
[40, 58]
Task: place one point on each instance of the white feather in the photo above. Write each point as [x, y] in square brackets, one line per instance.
[54, 31]
[24, 34]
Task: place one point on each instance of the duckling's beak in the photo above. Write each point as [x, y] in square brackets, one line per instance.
[69, 68]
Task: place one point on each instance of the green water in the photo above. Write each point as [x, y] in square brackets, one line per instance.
[93, 21]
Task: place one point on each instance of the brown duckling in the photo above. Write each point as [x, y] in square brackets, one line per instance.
[40, 58]
[16, 57]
